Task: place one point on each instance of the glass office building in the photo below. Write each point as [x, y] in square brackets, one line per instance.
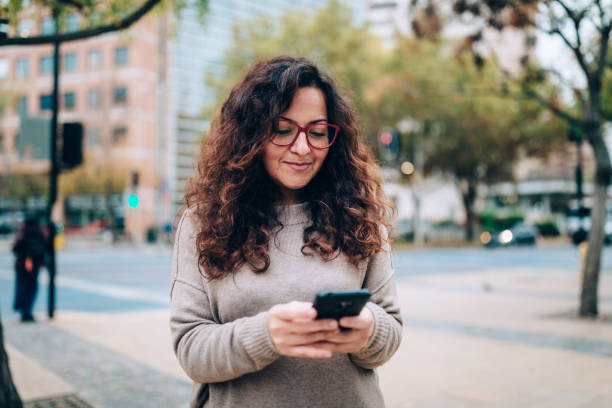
[196, 51]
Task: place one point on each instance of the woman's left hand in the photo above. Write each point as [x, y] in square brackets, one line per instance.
[353, 340]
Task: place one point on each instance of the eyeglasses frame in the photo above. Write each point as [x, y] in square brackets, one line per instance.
[305, 130]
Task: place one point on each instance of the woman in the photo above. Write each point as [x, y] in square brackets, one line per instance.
[286, 203]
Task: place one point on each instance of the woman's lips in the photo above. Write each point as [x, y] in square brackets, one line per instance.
[298, 166]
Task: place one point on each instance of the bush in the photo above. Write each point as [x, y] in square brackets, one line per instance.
[548, 229]
[491, 222]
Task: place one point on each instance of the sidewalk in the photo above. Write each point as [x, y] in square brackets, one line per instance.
[499, 338]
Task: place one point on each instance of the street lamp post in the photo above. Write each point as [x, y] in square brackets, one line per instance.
[405, 126]
[580, 235]
[53, 171]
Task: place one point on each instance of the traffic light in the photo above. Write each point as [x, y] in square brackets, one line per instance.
[386, 138]
[133, 199]
[389, 144]
[72, 145]
[135, 179]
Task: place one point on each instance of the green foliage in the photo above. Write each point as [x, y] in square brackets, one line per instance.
[490, 221]
[548, 228]
[20, 186]
[472, 131]
[328, 36]
[94, 13]
[606, 93]
[95, 176]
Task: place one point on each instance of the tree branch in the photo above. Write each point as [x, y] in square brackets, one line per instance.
[79, 35]
[74, 3]
[576, 49]
[554, 109]
[602, 13]
[568, 84]
[603, 51]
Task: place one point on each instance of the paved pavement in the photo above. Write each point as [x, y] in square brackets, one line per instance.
[501, 335]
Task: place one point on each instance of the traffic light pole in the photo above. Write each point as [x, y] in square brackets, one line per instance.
[53, 173]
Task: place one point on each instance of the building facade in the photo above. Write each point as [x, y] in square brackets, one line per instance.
[139, 94]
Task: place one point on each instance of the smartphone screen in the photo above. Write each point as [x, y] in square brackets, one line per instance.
[334, 305]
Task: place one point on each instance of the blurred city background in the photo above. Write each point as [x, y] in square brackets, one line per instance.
[492, 123]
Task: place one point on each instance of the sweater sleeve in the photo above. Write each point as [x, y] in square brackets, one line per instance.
[384, 305]
[207, 350]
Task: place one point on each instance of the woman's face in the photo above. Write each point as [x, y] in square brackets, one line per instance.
[292, 167]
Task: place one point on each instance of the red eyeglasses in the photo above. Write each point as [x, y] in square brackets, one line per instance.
[319, 135]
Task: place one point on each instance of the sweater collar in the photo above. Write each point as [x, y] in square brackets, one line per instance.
[292, 214]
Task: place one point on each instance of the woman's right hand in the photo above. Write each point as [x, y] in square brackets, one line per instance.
[293, 330]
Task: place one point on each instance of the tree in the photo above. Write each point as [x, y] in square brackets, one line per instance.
[328, 36]
[19, 186]
[99, 17]
[469, 132]
[100, 175]
[584, 29]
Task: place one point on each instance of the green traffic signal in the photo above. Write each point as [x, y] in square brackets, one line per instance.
[133, 201]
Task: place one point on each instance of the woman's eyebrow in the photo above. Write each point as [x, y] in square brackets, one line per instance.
[312, 121]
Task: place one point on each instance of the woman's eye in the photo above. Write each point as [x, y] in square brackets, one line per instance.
[283, 131]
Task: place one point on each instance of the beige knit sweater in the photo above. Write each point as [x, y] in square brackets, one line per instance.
[220, 333]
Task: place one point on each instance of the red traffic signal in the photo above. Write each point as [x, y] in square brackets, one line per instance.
[386, 138]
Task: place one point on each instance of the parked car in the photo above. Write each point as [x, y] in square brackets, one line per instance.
[520, 234]
[403, 229]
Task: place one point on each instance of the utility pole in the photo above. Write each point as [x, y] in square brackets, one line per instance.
[581, 234]
[53, 173]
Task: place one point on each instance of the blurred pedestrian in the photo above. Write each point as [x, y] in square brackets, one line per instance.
[287, 202]
[29, 248]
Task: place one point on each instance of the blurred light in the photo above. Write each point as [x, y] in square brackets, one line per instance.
[485, 237]
[386, 138]
[133, 201]
[505, 237]
[407, 168]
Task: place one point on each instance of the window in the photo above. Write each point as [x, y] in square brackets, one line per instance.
[72, 23]
[22, 106]
[121, 56]
[70, 62]
[94, 59]
[24, 28]
[69, 100]
[119, 134]
[45, 102]
[47, 26]
[22, 68]
[4, 68]
[94, 98]
[120, 95]
[93, 136]
[46, 65]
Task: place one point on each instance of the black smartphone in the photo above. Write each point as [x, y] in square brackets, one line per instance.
[334, 305]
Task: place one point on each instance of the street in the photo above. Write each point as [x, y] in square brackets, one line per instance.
[482, 328]
[121, 279]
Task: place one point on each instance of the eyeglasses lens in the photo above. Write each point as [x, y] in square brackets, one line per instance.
[319, 135]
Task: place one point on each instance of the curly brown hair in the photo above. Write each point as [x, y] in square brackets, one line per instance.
[232, 196]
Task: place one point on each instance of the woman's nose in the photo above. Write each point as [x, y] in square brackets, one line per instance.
[300, 146]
